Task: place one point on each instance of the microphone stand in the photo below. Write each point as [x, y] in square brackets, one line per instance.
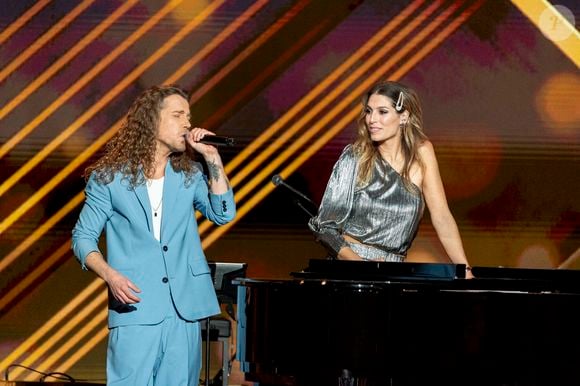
[304, 209]
[277, 180]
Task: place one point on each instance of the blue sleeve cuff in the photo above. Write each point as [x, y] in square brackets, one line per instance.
[223, 206]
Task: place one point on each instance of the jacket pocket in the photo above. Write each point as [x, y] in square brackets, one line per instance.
[199, 267]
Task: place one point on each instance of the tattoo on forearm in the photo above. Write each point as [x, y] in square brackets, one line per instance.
[214, 172]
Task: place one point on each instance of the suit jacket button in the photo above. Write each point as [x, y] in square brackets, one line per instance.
[165, 248]
[165, 280]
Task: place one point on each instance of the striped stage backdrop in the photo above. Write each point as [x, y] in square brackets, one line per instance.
[498, 79]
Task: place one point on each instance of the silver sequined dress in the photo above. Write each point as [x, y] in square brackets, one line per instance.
[383, 215]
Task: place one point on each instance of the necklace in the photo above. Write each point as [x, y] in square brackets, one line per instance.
[156, 209]
[155, 189]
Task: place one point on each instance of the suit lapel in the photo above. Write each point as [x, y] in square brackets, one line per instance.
[170, 193]
[143, 197]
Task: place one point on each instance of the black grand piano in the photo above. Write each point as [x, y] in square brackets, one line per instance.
[366, 324]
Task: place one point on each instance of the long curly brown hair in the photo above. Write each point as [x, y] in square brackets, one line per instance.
[131, 151]
[412, 134]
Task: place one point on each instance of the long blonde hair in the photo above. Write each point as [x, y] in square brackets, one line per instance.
[131, 151]
[412, 134]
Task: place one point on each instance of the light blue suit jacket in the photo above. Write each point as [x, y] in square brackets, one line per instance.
[174, 267]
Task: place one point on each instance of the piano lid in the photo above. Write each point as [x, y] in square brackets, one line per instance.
[501, 278]
[563, 277]
[367, 270]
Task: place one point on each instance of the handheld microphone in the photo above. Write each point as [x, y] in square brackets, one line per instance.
[217, 140]
[277, 180]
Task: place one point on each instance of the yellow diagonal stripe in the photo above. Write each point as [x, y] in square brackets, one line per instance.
[215, 42]
[125, 82]
[82, 351]
[73, 89]
[77, 200]
[95, 146]
[61, 62]
[75, 320]
[347, 118]
[22, 20]
[222, 36]
[45, 38]
[535, 9]
[45, 265]
[327, 100]
[75, 304]
[95, 322]
[307, 100]
[247, 51]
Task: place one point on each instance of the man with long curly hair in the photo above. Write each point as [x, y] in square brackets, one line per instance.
[143, 192]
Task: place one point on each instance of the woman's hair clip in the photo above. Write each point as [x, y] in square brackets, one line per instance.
[399, 105]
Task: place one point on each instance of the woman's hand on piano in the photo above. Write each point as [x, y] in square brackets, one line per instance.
[468, 273]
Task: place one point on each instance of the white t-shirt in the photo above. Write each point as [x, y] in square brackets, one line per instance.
[155, 192]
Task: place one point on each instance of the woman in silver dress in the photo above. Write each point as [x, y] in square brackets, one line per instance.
[379, 186]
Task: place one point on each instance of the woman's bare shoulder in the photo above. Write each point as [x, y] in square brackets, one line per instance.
[425, 146]
[426, 151]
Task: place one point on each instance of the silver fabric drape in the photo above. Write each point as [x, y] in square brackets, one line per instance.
[383, 215]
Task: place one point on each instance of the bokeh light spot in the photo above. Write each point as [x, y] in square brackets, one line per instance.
[558, 103]
[540, 255]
